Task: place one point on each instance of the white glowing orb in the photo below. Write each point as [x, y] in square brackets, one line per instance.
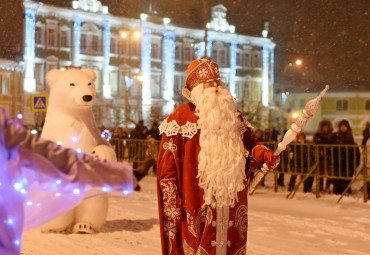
[10, 221]
[58, 194]
[34, 131]
[59, 142]
[17, 186]
[76, 191]
[29, 203]
[74, 139]
[125, 192]
[19, 116]
[58, 181]
[79, 150]
[23, 191]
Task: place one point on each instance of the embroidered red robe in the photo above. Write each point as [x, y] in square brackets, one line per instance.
[189, 226]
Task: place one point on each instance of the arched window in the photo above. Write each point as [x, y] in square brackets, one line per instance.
[90, 39]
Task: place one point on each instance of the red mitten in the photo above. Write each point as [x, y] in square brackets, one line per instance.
[264, 155]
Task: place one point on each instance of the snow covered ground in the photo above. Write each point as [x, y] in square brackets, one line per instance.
[302, 225]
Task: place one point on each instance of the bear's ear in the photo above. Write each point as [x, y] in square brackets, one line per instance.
[91, 73]
[52, 76]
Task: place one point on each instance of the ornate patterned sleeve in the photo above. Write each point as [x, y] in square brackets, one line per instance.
[168, 178]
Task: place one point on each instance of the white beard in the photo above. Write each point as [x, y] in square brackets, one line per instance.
[221, 168]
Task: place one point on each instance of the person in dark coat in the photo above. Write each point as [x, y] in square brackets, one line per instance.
[301, 162]
[366, 144]
[346, 160]
[324, 131]
[154, 132]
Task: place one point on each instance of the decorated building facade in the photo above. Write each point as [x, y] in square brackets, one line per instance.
[141, 63]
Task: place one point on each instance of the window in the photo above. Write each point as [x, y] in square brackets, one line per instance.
[51, 37]
[39, 75]
[342, 105]
[292, 104]
[256, 60]
[188, 53]
[238, 59]
[246, 59]
[113, 82]
[178, 84]
[123, 46]
[367, 105]
[155, 85]
[178, 49]
[5, 86]
[64, 42]
[135, 48]
[83, 43]
[113, 45]
[302, 103]
[155, 51]
[95, 43]
[38, 35]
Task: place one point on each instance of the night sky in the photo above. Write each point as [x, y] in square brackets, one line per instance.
[330, 36]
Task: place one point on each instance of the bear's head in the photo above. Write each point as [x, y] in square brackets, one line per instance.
[72, 88]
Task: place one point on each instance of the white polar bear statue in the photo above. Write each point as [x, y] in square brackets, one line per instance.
[70, 121]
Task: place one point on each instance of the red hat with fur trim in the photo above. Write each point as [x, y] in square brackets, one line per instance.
[201, 71]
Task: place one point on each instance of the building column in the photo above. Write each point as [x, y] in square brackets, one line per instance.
[209, 46]
[265, 75]
[29, 51]
[106, 52]
[76, 41]
[272, 75]
[146, 95]
[232, 68]
[168, 71]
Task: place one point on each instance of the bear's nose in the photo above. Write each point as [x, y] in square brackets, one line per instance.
[87, 98]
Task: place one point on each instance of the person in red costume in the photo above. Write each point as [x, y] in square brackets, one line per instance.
[203, 168]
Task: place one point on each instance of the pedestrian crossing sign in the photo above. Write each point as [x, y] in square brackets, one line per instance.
[39, 102]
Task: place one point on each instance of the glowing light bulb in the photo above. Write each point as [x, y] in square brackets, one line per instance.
[76, 191]
[34, 131]
[17, 242]
[9, 221]
[58, 181]
[106, 189]
[19, 116]
[23, 191]
[29, 203]
[59, 142]
[17, 186]
[74, 139]
[57, 194]
[125, 192]
[38, 204]
[79, 150]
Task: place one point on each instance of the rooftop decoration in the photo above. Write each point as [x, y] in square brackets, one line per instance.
[219, 22]
[90, 5]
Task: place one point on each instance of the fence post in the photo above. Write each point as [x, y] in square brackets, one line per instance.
[364, 174]
[317, 172]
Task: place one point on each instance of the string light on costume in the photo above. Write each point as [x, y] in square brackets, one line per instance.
[38, 204]
[58, 182]
[125, 192]
[23, 191]
[78, 150]
[17, 242]
[74, 139]
[58, 194]
[106, 134]
[19, 116]
[76, 191]
[59, 143]
[34, 131]
[17, 186]
[9, 221]
[29, 203]
[106, 188]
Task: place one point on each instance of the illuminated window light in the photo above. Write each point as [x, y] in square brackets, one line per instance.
[76, 191]
[137, 35]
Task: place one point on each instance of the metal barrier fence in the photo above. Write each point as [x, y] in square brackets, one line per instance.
[338, 165]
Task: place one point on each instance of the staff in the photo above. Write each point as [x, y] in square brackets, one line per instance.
[310, 109]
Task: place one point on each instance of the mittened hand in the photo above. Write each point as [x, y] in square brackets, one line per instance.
[271, 161]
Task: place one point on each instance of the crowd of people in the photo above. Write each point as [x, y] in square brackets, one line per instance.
[338, 157]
